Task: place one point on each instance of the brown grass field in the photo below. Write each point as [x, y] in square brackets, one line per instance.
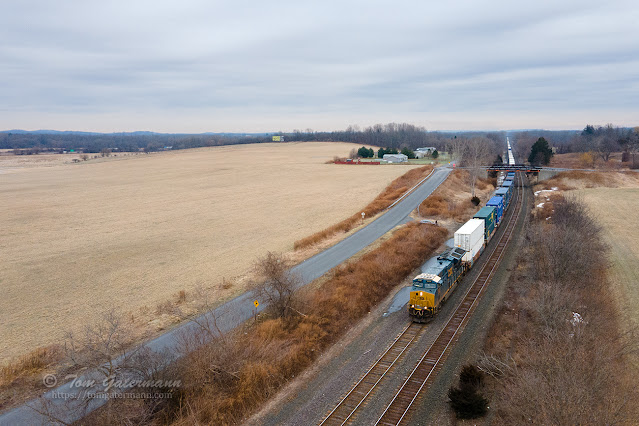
[132, 232]
[616, 210]
[588, 160]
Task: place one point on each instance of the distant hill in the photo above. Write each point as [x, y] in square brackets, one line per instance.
[135, 133]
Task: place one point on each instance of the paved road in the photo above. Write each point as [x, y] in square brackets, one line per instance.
[323, 262]
[238, 310]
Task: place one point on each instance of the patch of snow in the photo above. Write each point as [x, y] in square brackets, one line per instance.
[540, 205]
[576, 319]
[554, 188]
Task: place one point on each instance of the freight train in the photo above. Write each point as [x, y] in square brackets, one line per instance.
[437, 281]
[441, 273]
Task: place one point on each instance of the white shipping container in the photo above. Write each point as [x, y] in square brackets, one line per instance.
[470, 237]
[476, 250]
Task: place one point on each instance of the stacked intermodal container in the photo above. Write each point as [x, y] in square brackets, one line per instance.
[470, 237]
[504, 192]
[511, 189]
[489, 216]
[498, 204]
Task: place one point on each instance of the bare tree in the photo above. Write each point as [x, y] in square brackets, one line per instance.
[102, 346]
[100, 356]
[631, 144]
[523, 143]
[455, 147]
[607, 141]
[476, 154]
[276, 285]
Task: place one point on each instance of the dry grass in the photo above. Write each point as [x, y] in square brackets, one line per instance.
[78, 239]
[587, 160]
[576, 179]
[356, 287]
[22, 378]
[452, 199]
[549, 190]
[391, 193]
[30, 364]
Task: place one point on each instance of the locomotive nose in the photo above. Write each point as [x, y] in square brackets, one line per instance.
[422, 299]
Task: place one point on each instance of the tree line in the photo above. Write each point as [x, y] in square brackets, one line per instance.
[32, 143]
[364, 152]
[392, 135]
[601, 141]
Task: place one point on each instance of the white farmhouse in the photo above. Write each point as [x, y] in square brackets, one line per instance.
[395, 158]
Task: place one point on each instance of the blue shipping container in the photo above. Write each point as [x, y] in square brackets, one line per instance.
[505, 193]
[498, 204]
[508, 183]
[511, 174]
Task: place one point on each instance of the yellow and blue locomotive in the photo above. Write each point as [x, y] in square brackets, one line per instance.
[436, 282]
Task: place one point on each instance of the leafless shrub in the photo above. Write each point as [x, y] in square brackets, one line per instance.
[496, 367]
[226, 284]
[564, 360]
[276, 284]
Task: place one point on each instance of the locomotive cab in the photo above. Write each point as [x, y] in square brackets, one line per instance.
[431, 288]
[422, 297]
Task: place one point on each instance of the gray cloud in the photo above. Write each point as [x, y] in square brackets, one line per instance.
[195, 66]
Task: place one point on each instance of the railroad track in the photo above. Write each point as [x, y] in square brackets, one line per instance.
[346, 409]
[431, 362]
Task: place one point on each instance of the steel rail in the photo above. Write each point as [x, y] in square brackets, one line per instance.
[404, 398]
[347, 406]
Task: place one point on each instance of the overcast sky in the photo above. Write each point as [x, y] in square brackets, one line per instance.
[197, 66]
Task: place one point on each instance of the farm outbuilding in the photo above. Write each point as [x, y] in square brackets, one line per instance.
[395, 158]
[426, 150]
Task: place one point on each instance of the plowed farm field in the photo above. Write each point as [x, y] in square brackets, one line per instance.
[78, 239]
